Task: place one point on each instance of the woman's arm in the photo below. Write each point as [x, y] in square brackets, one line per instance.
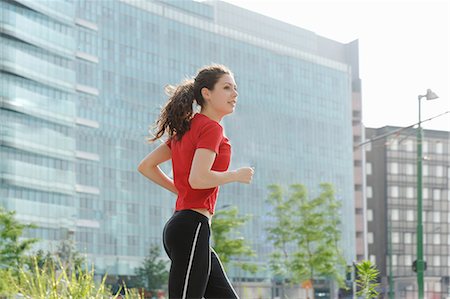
[149, 167]
[202, 177]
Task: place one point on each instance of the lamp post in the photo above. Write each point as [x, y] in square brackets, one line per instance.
[420, 262]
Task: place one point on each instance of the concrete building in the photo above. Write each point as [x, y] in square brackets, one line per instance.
[392, 208]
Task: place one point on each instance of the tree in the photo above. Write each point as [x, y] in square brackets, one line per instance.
[65, 257]
[366, 280]
[224, 223]
[12, 248]
[68, 256]
[305, 234]
[153, 274]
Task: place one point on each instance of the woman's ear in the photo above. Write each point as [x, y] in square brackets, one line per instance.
[205, 93]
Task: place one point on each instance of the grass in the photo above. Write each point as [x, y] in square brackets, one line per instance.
[50, 282]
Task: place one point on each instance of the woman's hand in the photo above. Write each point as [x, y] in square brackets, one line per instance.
[245, 175]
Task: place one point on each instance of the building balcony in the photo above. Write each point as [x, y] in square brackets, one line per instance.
[21, 63]
[61, 11]
[41, 141]
[37, 177]
[23, 28]
[29, 102]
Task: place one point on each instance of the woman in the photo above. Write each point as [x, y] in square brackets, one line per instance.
[200, 156]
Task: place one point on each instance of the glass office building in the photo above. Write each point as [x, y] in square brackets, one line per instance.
[81, 81]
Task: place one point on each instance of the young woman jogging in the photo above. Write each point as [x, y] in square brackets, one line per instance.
[200, 155]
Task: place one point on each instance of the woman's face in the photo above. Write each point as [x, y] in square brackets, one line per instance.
[223, 98]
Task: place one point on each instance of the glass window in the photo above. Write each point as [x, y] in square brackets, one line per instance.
[393, 167]
[368, 168]
[425, 146]
[370, 238]
[393, 144]
[409, 192]
[408, 260]
[369, 192]
[410, 215]
[439, 171]
[370, 215]
[439, 147]
[409, 145]
[395, 237]
[373, 259]
[409, 169]
[425, 170]
[394, 191]
[436, 194]
[394, 214]
[425, 193]
[408, 238]
[436, 260]
[436, 217]
[436, 239]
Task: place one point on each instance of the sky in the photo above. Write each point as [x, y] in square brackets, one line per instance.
[404, 49]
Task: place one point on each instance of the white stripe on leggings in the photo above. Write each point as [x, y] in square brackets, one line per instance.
[190, 261]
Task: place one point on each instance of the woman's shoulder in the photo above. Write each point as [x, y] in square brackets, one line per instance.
[201, 121]
[202, 127]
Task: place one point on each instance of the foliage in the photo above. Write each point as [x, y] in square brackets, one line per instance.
[45, 282]
[65, 256]
[5, 288]
[366, 280]
[153, 275]
[68, 254]
[12, 248]
[224, 223]
[305, 233]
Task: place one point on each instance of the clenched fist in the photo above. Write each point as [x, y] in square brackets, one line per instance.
[244, 175]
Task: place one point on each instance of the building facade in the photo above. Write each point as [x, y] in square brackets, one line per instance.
[359, 165]
[392, 208]
[81, 81]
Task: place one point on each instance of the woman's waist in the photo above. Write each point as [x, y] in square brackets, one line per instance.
[205, 212]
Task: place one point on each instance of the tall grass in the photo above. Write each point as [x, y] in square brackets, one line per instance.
[48, 282]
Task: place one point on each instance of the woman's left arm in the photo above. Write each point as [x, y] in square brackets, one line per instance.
[149, 167]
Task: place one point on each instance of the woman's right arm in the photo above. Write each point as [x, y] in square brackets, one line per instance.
[202, 177]
[149, 167]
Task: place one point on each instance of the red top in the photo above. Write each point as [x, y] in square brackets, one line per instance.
[204, 133]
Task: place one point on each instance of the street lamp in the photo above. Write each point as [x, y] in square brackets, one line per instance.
[420, 264]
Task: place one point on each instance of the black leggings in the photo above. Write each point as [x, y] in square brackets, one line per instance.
[196, 271]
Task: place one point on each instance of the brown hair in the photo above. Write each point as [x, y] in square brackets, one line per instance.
[176, 114]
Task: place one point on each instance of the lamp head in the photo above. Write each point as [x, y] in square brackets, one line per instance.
[431, 95]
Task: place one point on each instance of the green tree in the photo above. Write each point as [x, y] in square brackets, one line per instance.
[305, 234]
[153, 274]
[223, 226]
[12, 248]
[367, 279]
[68, 256]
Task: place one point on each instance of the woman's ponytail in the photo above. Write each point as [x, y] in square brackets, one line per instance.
[176, 114]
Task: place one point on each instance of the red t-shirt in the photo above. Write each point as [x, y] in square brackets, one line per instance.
[204, 133]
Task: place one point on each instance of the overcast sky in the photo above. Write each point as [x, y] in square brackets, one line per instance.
[404, 49]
